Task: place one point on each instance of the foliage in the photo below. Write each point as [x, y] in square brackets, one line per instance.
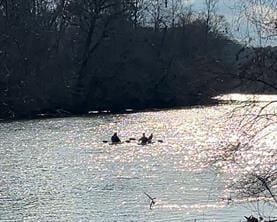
[74, 56]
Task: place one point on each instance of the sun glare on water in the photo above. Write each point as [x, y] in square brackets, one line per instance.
[71, 173]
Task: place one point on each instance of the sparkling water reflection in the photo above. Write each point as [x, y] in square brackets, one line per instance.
[59, 169]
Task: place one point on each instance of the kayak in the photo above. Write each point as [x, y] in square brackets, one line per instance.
[116, 143]
[143, 144]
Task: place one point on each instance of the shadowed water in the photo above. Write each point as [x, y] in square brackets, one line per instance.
[60, 170]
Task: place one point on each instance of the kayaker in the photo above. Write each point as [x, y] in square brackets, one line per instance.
[143, 139]
[149, 139]
[115, 138]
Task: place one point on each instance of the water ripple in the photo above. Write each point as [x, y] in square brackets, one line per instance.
[59, 169]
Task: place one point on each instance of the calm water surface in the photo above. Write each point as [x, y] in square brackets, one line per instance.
[60, 170]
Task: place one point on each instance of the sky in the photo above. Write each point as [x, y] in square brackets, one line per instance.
[242, 30]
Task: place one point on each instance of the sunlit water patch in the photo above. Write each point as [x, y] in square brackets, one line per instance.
[60, 170]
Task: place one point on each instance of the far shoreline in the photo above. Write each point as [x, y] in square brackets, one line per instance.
[60, 113]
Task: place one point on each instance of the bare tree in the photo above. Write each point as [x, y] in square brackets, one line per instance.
[135, 11]
[258, 19]
[254, 155]
[210, 12]
[93, 19]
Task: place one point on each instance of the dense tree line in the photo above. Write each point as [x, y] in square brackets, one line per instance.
[69, 56]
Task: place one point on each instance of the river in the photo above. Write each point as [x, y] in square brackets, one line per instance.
[60, 169]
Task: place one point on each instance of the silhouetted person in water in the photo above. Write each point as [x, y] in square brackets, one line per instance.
[143, 139]
[149, 139]
[115, 138]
